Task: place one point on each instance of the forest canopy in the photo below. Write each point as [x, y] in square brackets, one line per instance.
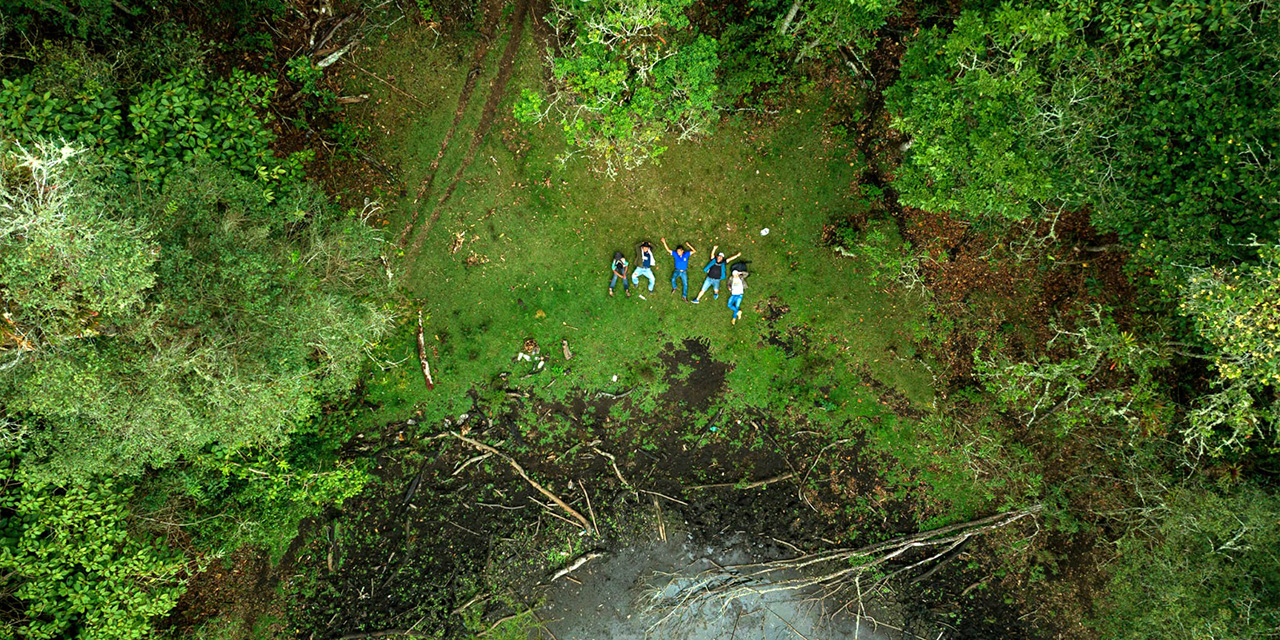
[1018, 258]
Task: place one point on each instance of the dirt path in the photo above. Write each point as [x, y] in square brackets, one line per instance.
[491, 11]
[497, 90]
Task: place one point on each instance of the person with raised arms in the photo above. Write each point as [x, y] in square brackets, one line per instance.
[681, 270]
[715, 273]
[737, 286]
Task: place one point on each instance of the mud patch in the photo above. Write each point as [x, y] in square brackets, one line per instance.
[696, 378]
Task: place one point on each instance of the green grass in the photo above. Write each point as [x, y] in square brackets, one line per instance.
[548, 231]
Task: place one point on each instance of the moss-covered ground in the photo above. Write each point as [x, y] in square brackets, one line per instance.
[521, 248]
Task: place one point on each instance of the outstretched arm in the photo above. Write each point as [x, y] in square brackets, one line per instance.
[691, 249]
[733, 257]
[713, 250]
[664, 245]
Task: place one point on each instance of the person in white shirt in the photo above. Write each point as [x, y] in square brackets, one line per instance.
[737, 285]
[644, 265]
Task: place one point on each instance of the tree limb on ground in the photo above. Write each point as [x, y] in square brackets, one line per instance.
[422, 354]
[582, 520]
[829, 571]
[575, 565]
[384, 634]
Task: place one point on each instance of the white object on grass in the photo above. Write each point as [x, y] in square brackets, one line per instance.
[764, 231]
[615, 378]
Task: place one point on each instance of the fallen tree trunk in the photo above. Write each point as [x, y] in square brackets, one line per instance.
[422, 354]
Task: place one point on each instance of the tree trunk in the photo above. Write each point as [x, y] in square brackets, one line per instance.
[791, 15]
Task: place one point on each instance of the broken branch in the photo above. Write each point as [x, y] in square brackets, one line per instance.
[754, 485]
[582, 520]
[575, 565]
[422, 354]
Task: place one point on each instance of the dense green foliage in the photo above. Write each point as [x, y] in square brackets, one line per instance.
[1158, 116]
[1210, 570]
[209, 314]
[168, 123]
[1237, 312]
[177, 305]
[629, 76]
[69, 557]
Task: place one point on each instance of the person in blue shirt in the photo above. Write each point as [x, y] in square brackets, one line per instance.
[644, 265]
[715, 273]
[619, 271]
[681, 270]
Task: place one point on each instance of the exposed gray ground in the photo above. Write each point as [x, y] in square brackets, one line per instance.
[616, 597]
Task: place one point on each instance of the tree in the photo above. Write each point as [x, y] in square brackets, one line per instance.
[824, 26]
[1158, 116]
[966, 98]
[1237, 312]
[1207, 568]
[215, 316]
[72, 565]
[628, 77]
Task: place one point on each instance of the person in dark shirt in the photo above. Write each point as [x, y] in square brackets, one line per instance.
[619, 271]
[715, 273]
[644, 265]
[681, 270]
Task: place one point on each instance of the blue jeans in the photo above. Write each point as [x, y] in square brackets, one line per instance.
[735, 305]
[684, 281]
[642, 271]
[710, 283]
[626, 286]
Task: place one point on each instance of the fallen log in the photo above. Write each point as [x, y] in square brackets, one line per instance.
[422, 354]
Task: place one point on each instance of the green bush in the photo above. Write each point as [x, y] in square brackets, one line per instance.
[169, 122]
[630, 77]
[74, 566]
[1157, 115]
[226, 321]
[1207, 569]
[1237, 312]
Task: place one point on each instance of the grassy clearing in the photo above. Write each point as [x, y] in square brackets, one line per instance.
[539, 235]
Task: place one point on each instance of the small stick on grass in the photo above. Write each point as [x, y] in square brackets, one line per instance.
[470, 461]
[663, 495]
[393, 87]
[613, 462]
[662, 530]
[575, 565]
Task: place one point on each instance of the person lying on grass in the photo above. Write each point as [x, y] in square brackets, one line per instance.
[681, 271]
[646, 260]
[715, 273]
[619, 271]
[737, 286]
